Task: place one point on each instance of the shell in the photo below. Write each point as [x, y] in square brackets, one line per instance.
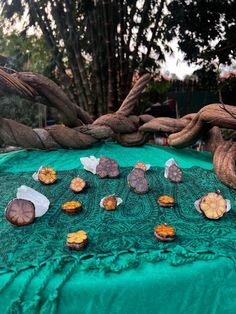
[71, 207]
[20, 212]
[47, 175]
[137, 181]
[77, 185]
[107, 168]
[213, 205]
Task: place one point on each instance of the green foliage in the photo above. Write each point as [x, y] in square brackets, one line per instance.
[156, 90]
[25, 53]
[97, 46]
[208, 78]
[228, 90]
[206, 29]
[229, 84]
[21, 110]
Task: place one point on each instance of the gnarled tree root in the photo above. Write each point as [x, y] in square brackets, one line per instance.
[72, 115]
[205, 119]
[166, 124]
[119, 125]
[224, 163]
[212, 139]
[132, 139]
[60, 136]
[12, 85]
[57, 136]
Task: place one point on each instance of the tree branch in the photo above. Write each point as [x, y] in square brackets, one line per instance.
[149, 47]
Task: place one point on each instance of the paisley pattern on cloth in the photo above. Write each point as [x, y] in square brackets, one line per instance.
[126, 231]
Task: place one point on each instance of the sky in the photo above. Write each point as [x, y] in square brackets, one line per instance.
[175, 63]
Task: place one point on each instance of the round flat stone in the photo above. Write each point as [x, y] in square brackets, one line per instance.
[20, 212]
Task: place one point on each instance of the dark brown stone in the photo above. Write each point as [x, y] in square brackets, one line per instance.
[107, 168]
[175, 174]
[138, 182]
[20, 212]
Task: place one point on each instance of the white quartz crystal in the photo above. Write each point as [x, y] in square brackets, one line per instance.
[35, 175]
[169, 163]
[90, 163]
[40, 201]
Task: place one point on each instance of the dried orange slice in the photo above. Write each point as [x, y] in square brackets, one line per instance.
[47, 175]
[109, 202]
[77, 185]
[72, 207]
[213, 205]
[165, 232]
[166, 201]
[77, 240]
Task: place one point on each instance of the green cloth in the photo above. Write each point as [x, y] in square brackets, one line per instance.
[62, 286]
[199, 287]
[23, 161]
[127, 229]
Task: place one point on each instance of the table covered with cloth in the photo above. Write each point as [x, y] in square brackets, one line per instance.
[124, 268]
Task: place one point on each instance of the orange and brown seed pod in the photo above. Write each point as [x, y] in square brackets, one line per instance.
[77, 240]
[110, 202]
[47, 175]
[165, 232]
[166, 201]
[77, 185]
[213, 205]
[72, 207]
[140, 165]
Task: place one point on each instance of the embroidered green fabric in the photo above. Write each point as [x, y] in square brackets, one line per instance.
[126, 232]
[67, 284]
